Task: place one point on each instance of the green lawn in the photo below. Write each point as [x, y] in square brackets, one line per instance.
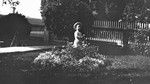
[130, 62]
[18, 68]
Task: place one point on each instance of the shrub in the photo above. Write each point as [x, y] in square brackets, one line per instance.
[140, 36]
[141, 44]
[81, 59]
[141, 48]
[14, 25]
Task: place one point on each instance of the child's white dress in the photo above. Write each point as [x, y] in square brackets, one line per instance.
[77, 42]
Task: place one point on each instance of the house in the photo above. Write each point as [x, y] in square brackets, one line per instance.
[37, 24]
[38, 29]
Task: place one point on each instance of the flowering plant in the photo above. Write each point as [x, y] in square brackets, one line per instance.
[83, 58]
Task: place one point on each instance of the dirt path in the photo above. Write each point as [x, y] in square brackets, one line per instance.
[23, 49]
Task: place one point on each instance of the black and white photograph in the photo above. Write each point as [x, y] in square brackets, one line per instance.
[74, 41]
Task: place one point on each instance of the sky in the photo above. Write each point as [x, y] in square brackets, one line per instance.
[29, 8]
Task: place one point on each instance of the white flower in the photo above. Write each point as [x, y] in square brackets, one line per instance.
[80, 60]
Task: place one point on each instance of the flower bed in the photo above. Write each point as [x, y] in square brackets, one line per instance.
[81, 59]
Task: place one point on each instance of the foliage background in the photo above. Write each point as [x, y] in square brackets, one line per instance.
[59, 16]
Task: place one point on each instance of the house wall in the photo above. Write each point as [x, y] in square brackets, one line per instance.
[37, 28]
[38, 31]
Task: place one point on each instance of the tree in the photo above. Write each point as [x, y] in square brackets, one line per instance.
[109, 9]
[60, 15]
[14, 27]
[137, 11]
[12, 3]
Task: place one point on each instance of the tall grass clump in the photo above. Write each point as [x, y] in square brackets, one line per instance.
[81, 59]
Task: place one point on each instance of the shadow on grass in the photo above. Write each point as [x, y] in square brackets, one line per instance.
[109, 48]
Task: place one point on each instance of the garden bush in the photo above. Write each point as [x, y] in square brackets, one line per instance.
[141, 49]
[81, 59]
[141, 44]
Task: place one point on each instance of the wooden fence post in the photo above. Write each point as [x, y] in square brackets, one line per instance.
[125, 37]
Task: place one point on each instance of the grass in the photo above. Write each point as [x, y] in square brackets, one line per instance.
[130, 66]
[118, 62]
[130, 62]
[19, 69]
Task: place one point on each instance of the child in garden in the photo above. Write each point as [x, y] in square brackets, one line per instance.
[77, 34]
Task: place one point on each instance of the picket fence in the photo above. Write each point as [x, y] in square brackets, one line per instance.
[121, 25]
[112, 31]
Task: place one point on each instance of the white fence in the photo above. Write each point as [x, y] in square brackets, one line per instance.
[107, 36]
[103, 32]
[121, 25]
